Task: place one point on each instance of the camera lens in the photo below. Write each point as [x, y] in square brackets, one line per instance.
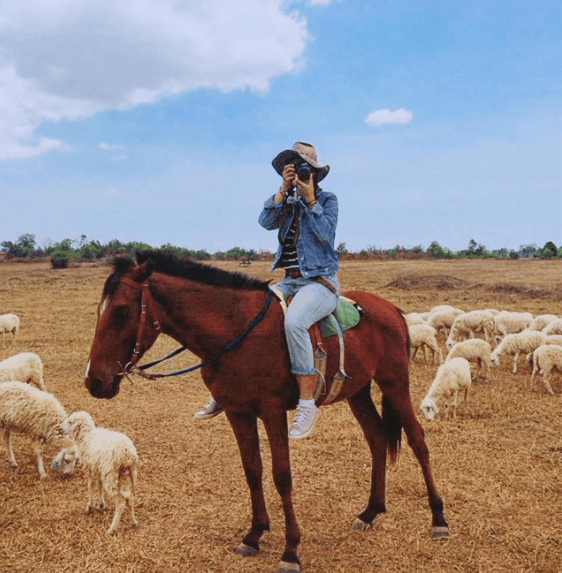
[304, 171]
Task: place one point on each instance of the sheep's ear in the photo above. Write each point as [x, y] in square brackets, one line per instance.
[58, 459]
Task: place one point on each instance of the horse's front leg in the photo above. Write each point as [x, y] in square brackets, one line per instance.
[246, 431]
[275, 422]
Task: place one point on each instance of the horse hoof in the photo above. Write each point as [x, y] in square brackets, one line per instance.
[441, 532]
[246, 550]
[361, 525]
[285, 567]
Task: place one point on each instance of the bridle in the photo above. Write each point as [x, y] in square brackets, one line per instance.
[146, 301]
[147, 304]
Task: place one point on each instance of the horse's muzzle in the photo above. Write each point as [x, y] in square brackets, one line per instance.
[100, 389]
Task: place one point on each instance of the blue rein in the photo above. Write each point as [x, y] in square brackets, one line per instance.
[140, 370]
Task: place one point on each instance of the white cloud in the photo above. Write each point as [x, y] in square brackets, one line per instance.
[385, 116]
[69, 59]
[109, 146]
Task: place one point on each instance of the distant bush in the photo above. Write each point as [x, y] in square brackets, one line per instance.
[60, 259]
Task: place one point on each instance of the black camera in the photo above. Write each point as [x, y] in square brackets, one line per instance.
[303, 171]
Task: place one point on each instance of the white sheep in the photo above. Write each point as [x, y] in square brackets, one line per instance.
[451, 378]
[554, 339]
[541, 321]
[66, 460]
[413, 318]
[474, 350]
[555, 327]
[9, 324]
[111, 460]
[468, 324]
[442, 308]
[514, 344]
[38, 414]
[24, 367]
[442, 320]
[545, 359]
[423, 335]
[512, 322]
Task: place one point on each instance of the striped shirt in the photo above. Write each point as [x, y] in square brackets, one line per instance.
[289, 257]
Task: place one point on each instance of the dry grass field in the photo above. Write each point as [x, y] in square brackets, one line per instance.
[498, 466]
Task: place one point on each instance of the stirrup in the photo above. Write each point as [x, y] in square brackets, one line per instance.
[211, 409]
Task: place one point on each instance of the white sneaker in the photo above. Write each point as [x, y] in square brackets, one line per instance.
[212, 409]
[303, 422]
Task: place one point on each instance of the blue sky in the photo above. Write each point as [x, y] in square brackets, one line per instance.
[157, 120]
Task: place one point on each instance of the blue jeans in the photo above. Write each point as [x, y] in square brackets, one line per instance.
[312, 301]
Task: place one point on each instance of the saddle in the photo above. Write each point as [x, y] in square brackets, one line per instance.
[346, 316]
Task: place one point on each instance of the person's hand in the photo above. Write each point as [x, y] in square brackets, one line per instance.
[288, 183]
[289, 176]
[305, 188]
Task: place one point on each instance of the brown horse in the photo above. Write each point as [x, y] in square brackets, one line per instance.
[205, 308]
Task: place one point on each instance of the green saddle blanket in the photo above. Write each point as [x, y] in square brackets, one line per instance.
[347, 314]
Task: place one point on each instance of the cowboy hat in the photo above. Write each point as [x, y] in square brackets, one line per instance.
[306, 152]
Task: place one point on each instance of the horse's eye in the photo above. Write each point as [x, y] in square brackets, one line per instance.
[120, 316]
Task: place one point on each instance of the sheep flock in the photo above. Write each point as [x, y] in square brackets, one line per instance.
[483, 338]
[28, 408]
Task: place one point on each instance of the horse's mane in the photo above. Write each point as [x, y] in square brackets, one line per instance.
[167, 263]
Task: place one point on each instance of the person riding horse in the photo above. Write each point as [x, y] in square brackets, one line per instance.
[306, 218]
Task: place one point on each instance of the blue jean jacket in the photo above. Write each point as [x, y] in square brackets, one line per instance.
[315, 247]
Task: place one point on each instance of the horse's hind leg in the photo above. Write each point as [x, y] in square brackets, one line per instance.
[397, 403]
[365, 411]
[246, 432]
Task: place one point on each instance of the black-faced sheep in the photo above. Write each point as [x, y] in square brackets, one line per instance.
[111, 460]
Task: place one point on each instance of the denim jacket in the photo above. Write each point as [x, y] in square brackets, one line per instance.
[315, 247]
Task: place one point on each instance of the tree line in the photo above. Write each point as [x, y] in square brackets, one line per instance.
[91, 250]
[473, 251]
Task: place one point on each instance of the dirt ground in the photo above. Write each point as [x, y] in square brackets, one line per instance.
[498, 466]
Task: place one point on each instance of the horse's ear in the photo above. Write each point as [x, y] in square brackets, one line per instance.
[142, 272]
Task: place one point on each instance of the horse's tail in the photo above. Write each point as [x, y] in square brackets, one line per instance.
[391, 421]
[392, 429]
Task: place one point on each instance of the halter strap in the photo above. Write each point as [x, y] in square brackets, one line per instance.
[146, 301]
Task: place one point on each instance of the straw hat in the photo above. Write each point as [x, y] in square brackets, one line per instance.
[306, 152]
